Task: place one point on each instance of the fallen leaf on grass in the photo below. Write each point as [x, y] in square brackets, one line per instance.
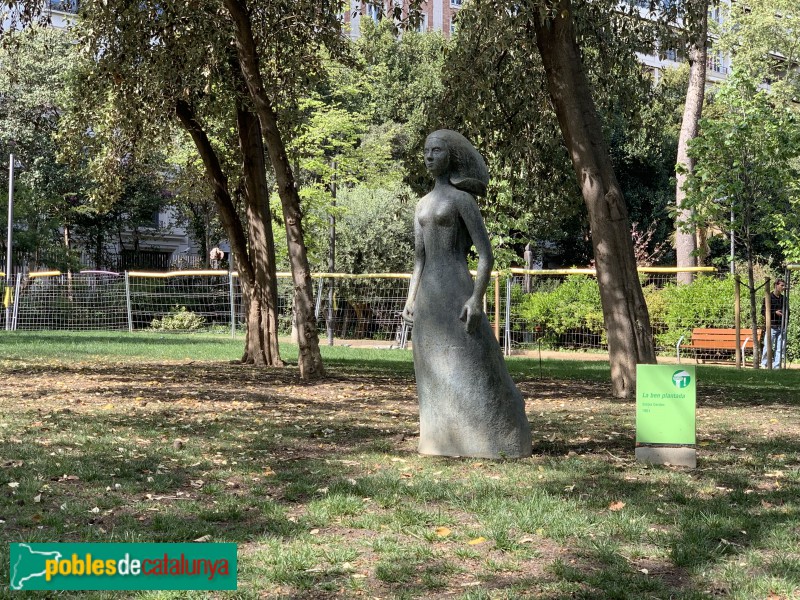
[13, 484]
[477, 541]
[442, 531]
[203, 538]
[615, 506]
[37, 498]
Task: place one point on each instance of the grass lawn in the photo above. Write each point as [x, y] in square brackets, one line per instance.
[160, 438]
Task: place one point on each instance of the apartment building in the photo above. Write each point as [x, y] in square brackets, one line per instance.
[437, 15]
[441, 15]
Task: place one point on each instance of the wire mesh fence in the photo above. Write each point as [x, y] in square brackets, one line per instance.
[81, 301]
[181, 300]
[361, 307]
[553, 310]
[562, 309]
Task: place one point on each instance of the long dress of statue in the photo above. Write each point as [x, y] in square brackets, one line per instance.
[468, 404]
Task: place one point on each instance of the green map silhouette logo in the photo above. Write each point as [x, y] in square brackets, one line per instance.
[681, 379]
[27, 564]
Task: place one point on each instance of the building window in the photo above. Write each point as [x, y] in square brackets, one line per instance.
[70, 6]
[452, 25]
[455, 3]
[373, 12]
[423, 23]
[715, 62]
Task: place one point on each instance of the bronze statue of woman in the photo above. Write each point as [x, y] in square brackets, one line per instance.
[468, 404]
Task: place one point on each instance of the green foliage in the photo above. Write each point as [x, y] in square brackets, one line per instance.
[677, 309]
[376, 230]
[495, 93]
[763, 36]
[573, 305]
[746, 163]
[793, 330]
[34, 70]
[178, 319]
[745, 176]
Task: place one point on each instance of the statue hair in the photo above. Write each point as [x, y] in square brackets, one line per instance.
[468, 170]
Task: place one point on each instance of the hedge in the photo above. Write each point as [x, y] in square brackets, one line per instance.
[574, 307]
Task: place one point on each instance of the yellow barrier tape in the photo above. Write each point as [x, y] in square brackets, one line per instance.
[676, 270]
[176, 273]
[8, 300]
[44, 274]
[517, 271]
[358, 276]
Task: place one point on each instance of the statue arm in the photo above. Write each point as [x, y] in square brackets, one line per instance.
[419, 263]
[471, 215]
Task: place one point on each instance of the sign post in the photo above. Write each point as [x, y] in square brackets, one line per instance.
[666, 398]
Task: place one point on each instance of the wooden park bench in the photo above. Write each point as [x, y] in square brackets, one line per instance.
[704, 341]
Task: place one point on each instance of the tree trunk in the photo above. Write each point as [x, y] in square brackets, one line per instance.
[696, 30]
[751, 284]
[262, 245]
[309, 360]
[630, 338]
[254, 350]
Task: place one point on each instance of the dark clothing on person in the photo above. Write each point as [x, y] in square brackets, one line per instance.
[777, 311]
[777, 303]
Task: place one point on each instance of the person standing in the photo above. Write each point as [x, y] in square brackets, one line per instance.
[776, 324]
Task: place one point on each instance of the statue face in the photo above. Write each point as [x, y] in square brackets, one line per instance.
[437, 156]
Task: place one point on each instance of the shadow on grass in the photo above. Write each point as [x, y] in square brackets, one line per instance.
[284, 465]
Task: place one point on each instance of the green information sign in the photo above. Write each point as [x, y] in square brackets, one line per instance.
[666, 396]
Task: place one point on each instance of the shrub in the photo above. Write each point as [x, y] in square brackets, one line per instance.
[793, 330]
[178, 319]
[572, 306]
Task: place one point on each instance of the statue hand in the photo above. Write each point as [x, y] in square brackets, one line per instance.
[408, 314]
[471, 314]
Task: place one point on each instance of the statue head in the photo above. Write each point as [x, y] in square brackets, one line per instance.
[465, 165]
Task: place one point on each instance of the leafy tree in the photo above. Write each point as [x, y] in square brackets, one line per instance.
[194, 198]
[272, 57]
[762, 37]
[404, 75]
[528, 78]
[54, 212]
[373, 219]
[746, 165]
[143, 68]
[33, 68]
